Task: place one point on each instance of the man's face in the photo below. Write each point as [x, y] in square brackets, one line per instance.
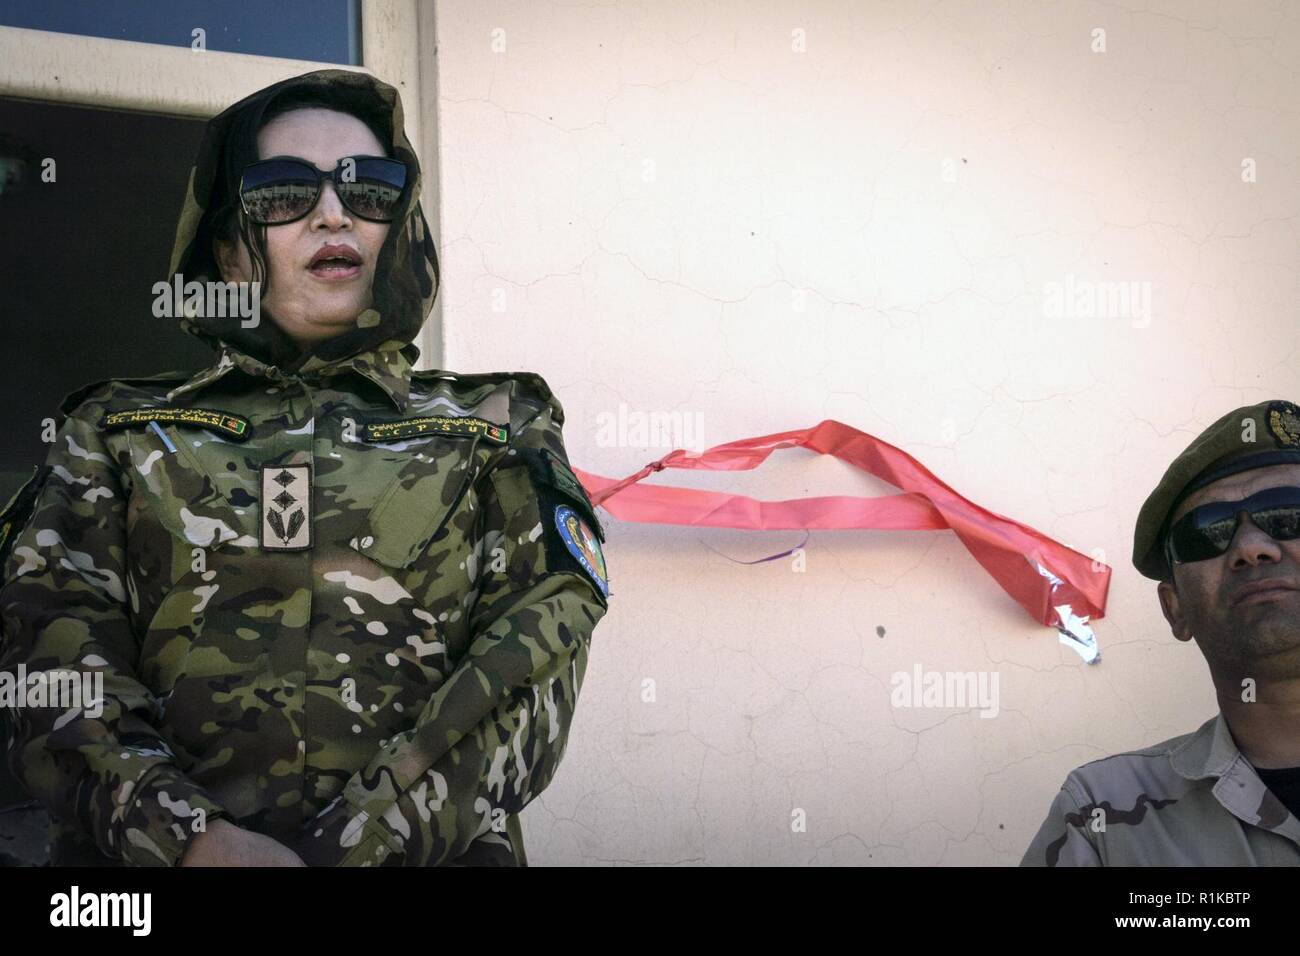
[1241, 629]
[311, 306]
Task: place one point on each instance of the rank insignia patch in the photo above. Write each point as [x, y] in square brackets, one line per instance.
[563, 478]
[550, 470]
[582, 544]
[1284, 423]
[438, 425]
[286, 507]
[232, 426]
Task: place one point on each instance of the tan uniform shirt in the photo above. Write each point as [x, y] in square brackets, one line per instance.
[1194, 800]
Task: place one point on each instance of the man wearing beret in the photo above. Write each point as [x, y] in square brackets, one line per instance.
[1221, 533]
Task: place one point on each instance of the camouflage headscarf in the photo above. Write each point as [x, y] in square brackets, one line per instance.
[406, 273]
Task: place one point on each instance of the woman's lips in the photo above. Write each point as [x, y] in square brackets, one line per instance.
[336, 262]
[334, 271]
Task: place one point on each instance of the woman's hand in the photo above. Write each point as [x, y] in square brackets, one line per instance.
[225, 844]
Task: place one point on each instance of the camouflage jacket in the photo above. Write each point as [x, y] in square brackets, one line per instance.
[388, 678]
[1194, 800]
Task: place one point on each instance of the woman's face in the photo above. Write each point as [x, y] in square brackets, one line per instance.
[312, 305]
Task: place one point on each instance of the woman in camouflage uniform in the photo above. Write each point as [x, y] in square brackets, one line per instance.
[340, 609]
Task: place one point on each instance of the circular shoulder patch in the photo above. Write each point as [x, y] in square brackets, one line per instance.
[582, 544]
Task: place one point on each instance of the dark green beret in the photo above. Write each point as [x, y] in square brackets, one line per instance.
[1252, 436]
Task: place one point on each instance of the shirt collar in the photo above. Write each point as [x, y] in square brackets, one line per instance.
[388, 365]
[1212, 752]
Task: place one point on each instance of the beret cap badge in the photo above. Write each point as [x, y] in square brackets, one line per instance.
[1284, 423]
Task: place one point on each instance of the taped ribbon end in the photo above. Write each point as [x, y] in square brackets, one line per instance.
[1076, 634]
[1074, 630]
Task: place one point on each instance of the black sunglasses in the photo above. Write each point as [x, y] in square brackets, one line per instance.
[1207, 531]
[284, 189]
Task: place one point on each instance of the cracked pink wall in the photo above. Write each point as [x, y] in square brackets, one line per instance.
[695, 208]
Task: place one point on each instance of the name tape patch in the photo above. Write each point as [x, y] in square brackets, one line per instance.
[438, 425]
[232, 425]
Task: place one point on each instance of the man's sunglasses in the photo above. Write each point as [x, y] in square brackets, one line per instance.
[284, 189]
[1207, 531]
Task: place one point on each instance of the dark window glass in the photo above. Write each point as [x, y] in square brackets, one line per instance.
[79, 257]
[328, 31]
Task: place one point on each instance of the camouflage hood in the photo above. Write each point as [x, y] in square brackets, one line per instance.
[406, 273]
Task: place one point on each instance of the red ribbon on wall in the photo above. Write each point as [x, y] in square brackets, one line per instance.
[1055, 584]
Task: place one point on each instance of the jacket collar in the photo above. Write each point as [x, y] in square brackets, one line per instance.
[388, 365]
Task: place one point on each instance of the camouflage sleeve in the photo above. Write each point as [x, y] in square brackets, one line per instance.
[493, 733]
[1063, 839]
[81, 740]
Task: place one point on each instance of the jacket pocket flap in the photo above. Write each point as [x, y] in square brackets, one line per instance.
[417, 504]
[181, 493]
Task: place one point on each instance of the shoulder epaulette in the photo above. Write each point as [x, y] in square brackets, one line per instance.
[533, 385]
[79, 395]
[535, 381]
